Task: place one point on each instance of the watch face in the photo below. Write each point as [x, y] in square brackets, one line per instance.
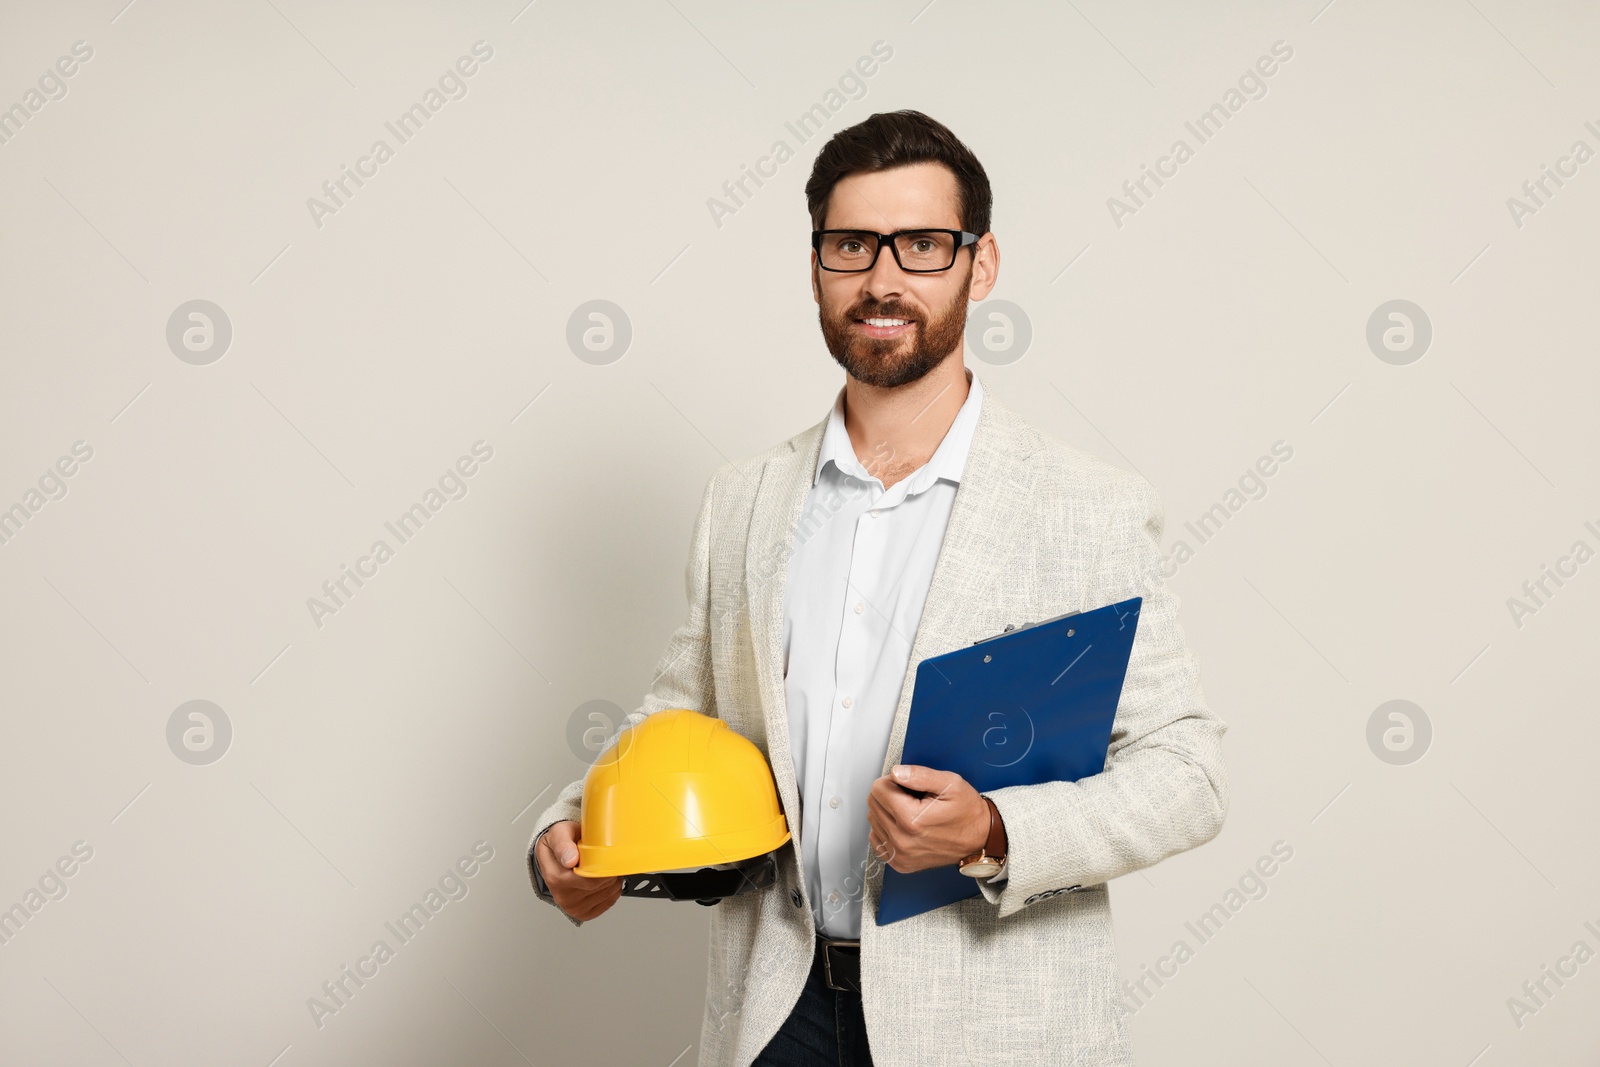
[984, 868]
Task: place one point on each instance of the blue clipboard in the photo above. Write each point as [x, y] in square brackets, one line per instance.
[1030, 705]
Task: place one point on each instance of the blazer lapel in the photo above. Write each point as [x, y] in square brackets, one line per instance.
[785, 480]
[993, 495]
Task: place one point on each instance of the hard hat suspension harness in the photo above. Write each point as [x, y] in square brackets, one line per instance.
[706, 886]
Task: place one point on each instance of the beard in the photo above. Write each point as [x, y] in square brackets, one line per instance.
[889, 362]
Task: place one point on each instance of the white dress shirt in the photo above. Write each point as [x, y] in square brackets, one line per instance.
[859, 573]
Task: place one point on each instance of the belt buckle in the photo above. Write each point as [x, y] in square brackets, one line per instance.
[828, 947]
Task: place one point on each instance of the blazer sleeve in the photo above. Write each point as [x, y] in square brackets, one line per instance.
[683, 675]
[1164, 788]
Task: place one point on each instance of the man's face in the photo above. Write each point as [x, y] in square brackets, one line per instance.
[927, 312]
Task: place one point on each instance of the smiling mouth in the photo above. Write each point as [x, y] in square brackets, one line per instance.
[883, 327]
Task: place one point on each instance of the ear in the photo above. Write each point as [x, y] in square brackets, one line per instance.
[816, 279]
[985, 266]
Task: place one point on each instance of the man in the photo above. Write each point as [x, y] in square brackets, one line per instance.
[921, 515]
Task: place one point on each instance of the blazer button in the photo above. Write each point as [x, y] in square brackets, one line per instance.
[794, 895]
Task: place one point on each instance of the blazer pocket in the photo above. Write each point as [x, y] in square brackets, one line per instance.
[1035, 985]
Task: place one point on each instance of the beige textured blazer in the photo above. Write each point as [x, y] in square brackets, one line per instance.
[1026, 973]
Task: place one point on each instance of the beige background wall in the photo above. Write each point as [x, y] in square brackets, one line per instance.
[372, 747]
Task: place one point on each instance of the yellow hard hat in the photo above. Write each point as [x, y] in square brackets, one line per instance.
[683, 808]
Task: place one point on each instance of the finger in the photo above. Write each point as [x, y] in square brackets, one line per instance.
[881, 801]
[599, 905]
[576, 901]
[883, 791]
[575, 881]
[561, 841]
[924, 779]
[894, 808]
[875, 806]
[611, 887]
[588, 910]
[589, 887]
[555, 875]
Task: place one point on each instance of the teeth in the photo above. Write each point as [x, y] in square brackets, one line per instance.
[887, 322]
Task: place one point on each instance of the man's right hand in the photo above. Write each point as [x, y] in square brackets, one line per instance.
[580, 897]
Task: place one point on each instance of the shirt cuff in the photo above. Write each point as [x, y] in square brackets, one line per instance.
[540, 888]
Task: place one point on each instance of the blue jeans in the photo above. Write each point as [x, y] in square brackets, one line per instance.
[825, 1027]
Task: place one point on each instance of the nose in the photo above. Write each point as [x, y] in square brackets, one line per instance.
[885, 279]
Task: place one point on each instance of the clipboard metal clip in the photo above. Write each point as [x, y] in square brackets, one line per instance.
[1012, 627]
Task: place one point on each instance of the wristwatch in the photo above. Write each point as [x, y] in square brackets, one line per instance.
[987, 861]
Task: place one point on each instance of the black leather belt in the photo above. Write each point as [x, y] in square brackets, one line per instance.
[841, 964]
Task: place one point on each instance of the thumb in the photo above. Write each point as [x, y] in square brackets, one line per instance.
[563, 843]
[923, 779]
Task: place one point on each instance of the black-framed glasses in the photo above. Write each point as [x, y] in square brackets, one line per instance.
[916, 251]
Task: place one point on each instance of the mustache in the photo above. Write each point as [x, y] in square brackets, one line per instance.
[890, 310]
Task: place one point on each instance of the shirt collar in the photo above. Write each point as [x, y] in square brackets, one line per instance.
[949, 460]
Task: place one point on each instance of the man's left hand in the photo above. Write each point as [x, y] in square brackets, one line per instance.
[913, 833]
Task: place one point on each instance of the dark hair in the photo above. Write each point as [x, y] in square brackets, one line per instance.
[896, 139]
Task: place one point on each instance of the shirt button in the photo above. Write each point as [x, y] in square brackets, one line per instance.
[833, 897]
[833, 802]
[860, 607]
[847, 701]
[873, 513]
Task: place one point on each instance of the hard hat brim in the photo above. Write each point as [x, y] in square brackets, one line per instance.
[602, 861]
